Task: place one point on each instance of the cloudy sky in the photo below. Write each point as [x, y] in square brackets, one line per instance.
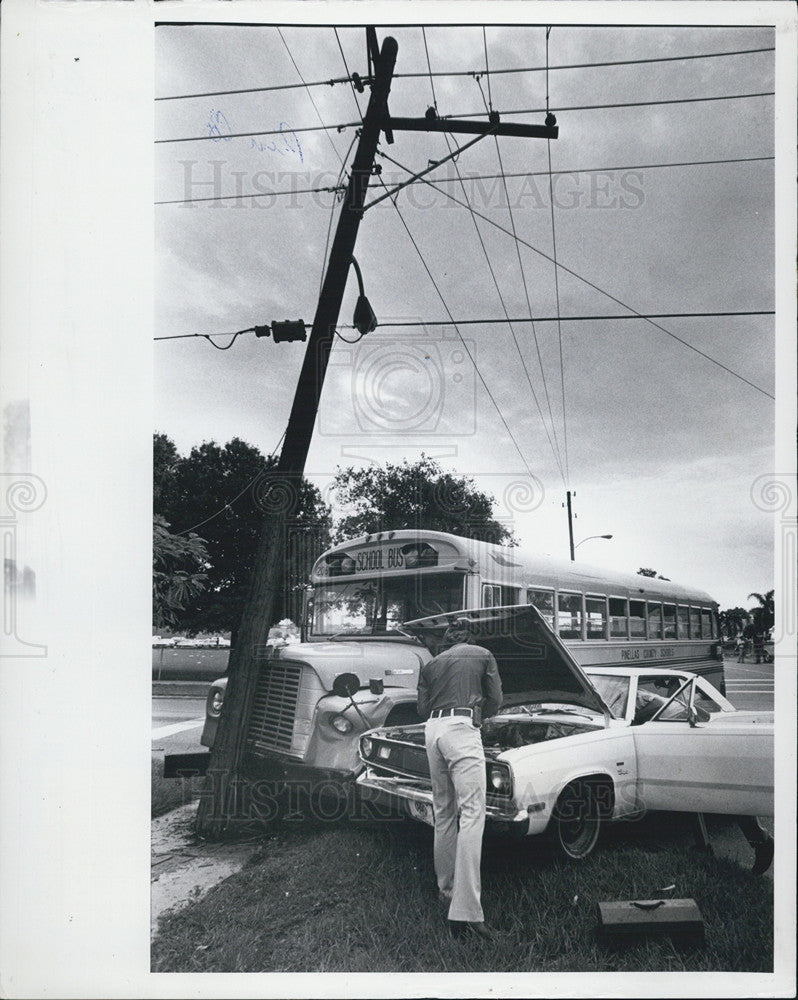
[663, 447]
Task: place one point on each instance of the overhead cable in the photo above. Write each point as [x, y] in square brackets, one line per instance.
[584, 280]
[318, 113]
[462, 340]
[474, 177]
[476, 114]
[472, 72]
[556, 445]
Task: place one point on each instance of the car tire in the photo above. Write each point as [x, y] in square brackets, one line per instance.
[576, 821]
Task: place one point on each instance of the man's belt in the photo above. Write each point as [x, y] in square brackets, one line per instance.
[441, 713]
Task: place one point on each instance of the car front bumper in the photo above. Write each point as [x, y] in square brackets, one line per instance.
[415, 799]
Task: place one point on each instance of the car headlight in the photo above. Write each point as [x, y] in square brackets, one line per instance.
[215, 701]
[341, 723]
[366, 746]
[500, 779]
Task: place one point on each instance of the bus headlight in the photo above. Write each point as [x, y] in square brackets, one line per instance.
[366, 746]
[341, 723]
[500, 779]
[215, 700]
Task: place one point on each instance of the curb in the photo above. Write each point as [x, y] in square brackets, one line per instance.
[180, 689]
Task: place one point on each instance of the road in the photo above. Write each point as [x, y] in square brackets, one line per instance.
[177, 722]
[749, 685]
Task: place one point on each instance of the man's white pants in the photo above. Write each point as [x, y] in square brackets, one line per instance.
[457, 769]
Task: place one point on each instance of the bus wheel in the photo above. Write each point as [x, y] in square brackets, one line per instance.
[576, 821]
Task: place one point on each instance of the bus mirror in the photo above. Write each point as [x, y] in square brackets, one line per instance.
[345, 685]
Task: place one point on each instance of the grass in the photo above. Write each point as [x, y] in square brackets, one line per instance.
[354, 896]
[170, 793]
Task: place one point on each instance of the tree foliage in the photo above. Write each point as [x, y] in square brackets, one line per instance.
[763, 614]
[417, 495]
[178, 572]
[732, 621]
[223, 491]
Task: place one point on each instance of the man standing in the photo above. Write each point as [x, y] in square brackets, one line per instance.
[456, 690]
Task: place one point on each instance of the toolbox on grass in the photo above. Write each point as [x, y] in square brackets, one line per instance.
[627, 920]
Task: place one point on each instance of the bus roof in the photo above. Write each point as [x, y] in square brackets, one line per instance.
[527, 568]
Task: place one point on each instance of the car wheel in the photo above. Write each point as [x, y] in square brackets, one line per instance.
[576, 822]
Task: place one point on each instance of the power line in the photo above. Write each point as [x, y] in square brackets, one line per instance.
[569, 319]
[207, 336]
[581, 278]
[465, 345]
[454, 73]
[504, 320]
[556, 445]
[620, 104]
[556, 279]
[475, 177]
[476, 114]
[318, 113]
[348, 74]
[273, 131]
[254, 194]
[554, 449]
[228, 505]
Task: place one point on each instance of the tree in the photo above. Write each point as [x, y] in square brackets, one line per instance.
[732, 621]
[178, 572]
[164, 464]
[764, 613]
[414, 495]
[224, 491]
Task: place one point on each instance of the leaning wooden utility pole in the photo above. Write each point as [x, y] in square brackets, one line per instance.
[225, 793]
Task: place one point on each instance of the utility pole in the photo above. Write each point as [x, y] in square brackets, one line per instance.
[570, 526]
[224, 797]
[224, 800]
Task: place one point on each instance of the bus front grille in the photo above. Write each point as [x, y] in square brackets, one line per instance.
[271, 723]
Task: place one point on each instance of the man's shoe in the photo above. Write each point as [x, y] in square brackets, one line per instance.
[470, 928]
[763, 858]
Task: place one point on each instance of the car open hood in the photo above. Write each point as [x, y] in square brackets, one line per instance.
[534, 664]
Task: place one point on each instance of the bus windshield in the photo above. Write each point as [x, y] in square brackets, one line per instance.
[378, 606]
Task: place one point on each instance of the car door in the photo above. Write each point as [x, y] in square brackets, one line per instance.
[718, 762]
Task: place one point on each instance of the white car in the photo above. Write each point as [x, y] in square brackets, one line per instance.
[572, 748]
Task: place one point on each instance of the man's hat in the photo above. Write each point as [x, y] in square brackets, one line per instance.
[459, 629]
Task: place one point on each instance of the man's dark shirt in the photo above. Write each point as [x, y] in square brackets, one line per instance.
[464, 676]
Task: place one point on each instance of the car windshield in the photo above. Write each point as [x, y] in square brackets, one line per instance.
[378, 606]
[614, 691]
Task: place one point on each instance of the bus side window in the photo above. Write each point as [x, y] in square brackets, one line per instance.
[670, 621]
[706, 624]
[682, 622]
[618, 618]
[569, 615]
[695, 623]
[596, 614]
[543, 600]
[654, 620]
[491, 595]
[637, 619]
